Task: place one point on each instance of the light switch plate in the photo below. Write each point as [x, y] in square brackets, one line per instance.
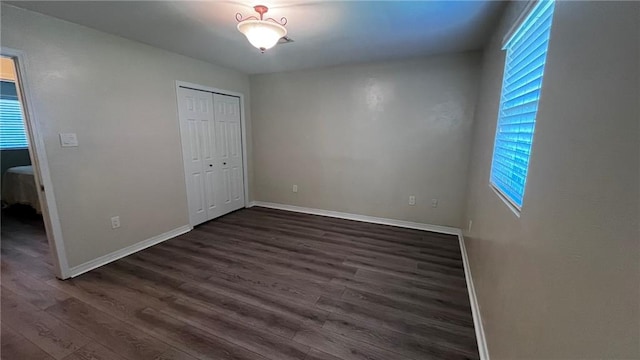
[68, 140]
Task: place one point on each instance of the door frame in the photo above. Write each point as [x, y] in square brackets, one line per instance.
[42, 175]
[243, 135]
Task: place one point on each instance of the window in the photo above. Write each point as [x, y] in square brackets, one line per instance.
[12, 131]
[521, 86]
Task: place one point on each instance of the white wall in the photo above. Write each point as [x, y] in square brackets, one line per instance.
[362, 138]
[562, 281]
[119, 97]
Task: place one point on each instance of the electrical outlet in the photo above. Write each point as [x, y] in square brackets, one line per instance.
[115, 222]
[295, 188]
[412, 200]
[434, 203]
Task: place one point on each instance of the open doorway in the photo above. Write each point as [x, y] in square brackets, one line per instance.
[19, 193]
[27, 245]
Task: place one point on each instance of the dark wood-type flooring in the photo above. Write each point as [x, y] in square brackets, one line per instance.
[256, 284]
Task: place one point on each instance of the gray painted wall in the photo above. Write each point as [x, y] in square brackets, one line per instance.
[119, 97]
[362, 139]
[562, 280]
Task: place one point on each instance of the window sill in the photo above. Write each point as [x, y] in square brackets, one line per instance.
[506, 201]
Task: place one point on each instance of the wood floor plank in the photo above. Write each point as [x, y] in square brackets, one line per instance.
[347, 244]
[372, 238]
[339, 246]
[319, 355]
[327, 221]
[155, 284]
[34, 251]
[255, 313]
[453, 278]
[400, 321]
[127, 310]
[428, 311]
[34, 291]
[256, 284]
[193, 340]
[173, 354]
[18, 261]
[387, 236]
[234, 234]
[121, 302]
[7, 335]
[214, 259]
[411, 295]
[98, 291]
[267, 344]
[48, 333]
[295, 286]
[322, 271]
[109, 331]
[244, 267]
[158, 279]
[94, 351]
[190, 269]
[319, 260]
[294, 309]
[341, 346]
[404, 344]
[197, 257]
[252, 315]
[295, 289]
[23, 349]
[416, 284]
[354, 250]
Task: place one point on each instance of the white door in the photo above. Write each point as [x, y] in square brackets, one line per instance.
[211, 148]
[229, 149]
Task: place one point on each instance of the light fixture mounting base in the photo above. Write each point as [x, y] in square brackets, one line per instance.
[261, 9]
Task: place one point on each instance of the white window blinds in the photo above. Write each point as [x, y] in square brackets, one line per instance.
[12, 131]
[522, 82]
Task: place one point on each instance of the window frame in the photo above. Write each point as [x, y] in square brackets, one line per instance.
[514, 32]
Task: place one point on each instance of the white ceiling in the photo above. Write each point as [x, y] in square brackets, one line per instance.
[325, 32]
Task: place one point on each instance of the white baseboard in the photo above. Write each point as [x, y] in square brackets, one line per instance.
[356, 217]
[103, 260]
[475, 308]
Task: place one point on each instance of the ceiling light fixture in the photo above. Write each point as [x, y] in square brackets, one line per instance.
[262, 33]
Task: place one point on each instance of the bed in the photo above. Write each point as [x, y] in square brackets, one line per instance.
[19, 187]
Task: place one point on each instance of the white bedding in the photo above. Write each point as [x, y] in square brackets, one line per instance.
[19, 187]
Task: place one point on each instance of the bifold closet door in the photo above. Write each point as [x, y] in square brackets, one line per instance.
[212, 155]
[229, 150]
